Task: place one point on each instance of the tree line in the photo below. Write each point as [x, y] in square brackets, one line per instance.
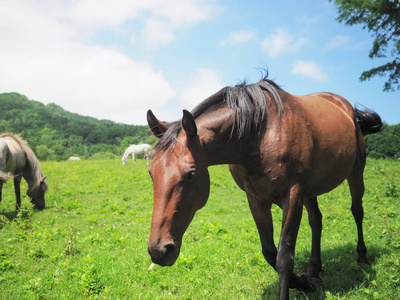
[56, 134]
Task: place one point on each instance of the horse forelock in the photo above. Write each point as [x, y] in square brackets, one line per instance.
[247, 103]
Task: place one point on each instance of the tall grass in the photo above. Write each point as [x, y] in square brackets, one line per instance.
[90, 241]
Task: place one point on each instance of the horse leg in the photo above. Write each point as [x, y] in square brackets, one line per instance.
[292, 212]
[356, 184]
[315, 221]
[1, 188]
[262, 216]
[134, 158]
[17, 190]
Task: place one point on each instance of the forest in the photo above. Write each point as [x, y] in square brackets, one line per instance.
[56, 134]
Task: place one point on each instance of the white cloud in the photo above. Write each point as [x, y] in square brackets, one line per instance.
[196, 89]
[47, 54]
[346, 42]
[157, 33]
[281, 42]
[238, 37]
[338, 41]
[101, 13]
[160, 19]
[309, 69]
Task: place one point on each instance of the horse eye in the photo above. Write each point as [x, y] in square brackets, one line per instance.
[191, 174]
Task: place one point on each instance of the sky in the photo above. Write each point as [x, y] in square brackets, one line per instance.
[116, 59]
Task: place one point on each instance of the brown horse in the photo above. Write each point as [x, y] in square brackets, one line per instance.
[281, 149]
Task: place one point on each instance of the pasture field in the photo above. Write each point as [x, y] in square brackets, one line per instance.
[91, 240]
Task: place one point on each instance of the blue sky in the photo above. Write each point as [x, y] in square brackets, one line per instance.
[116, 59]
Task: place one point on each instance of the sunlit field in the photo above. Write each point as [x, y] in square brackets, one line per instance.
[91, 240]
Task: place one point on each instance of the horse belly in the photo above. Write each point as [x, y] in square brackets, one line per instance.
[329, 175]
[332, 158]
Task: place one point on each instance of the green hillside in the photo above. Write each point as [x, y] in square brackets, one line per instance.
[56, 134]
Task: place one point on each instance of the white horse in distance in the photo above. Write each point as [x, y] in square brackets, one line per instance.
[137, 149]
[73, 158]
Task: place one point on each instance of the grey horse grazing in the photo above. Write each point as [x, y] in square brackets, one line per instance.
[17, 160]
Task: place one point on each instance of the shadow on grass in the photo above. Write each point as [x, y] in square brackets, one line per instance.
[340, 272]
[10, 215]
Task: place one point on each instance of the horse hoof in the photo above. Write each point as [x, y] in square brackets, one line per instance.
[314, 283]
[309, 284]
[363, 261]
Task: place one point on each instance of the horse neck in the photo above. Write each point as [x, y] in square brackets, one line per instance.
[127, 152]
[218, 140]
[32, 173]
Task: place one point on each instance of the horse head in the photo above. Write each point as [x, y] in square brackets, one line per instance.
[37, 194]
[181, 186]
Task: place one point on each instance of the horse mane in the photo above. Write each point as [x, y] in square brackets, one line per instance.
[247, 103]
[33, 162]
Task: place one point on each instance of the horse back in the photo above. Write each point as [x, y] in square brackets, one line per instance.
[12, 156]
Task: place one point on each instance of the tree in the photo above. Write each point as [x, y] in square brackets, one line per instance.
[382, 17]
[384, 144]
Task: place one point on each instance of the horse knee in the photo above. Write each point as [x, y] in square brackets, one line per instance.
[270, 254]
[358, 212]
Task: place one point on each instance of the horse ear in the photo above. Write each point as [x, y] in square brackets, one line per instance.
[157, 127]
[189, 125]
[43, 185]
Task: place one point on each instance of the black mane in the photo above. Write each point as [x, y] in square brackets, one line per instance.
[246, 101]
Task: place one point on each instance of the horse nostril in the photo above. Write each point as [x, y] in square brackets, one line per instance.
[170, 254]
[169, 249]
[164, 255]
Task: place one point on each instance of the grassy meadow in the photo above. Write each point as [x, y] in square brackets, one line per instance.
[91, 240]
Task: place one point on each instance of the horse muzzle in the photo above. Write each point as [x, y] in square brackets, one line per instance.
[39, 205]
[163, 254]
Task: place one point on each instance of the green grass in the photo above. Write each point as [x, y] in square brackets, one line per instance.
[91, 240]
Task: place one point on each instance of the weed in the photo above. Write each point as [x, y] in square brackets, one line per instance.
[391, 190]
[89, 280]
[70, 248]
[4, 221]
[24, 218]
[5, 264]
[390, 232]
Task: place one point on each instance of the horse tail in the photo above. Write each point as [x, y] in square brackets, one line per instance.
[4, 176]
[370, 122]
